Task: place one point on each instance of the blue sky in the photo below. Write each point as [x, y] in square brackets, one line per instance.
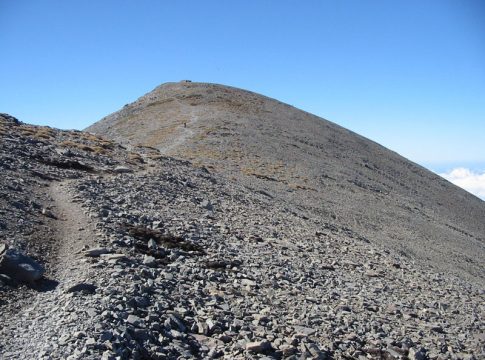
[407, 74]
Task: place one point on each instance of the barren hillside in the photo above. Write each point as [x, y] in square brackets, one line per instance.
[242, 229]
[323, 170]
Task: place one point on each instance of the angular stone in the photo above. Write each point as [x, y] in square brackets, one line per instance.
[134, 320]
[106, 336]
[141, 334]
[258, 346]
[91, 312]
[122, 170]
[315, 351]
[96, 252]
[417, 354]
[152, 244]
[303, 331]
[20, 267]
[248, 282]
[149, 260]
[113, 258]
[206, 204]
[287, 349]
[82, 287]
[90, 342]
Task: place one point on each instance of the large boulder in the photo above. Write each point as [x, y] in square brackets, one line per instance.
[20, 267]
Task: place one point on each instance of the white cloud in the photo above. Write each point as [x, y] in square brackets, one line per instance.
[469, 180]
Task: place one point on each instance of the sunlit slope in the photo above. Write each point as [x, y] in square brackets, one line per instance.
[322, 171]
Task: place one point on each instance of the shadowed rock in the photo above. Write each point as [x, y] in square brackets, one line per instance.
[20, 267]
[83, 288]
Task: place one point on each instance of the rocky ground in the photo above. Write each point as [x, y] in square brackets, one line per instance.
[150, 257]
[312, 165]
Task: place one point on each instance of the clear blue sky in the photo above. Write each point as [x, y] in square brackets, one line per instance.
[407, 74]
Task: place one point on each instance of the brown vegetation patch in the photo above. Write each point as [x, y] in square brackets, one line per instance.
[37, 132]
[144, 234]
[135, 158]
[84, 147]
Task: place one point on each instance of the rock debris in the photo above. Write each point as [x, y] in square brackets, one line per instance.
[151, 257]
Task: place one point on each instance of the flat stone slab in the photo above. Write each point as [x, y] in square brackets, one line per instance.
[96, 252]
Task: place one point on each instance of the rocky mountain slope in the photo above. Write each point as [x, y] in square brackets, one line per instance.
[168, 254]
[319, 168]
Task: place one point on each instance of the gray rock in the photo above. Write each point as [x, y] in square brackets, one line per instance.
[206, 204]
[122, 170]
[48, 213]
[302, 331]
[6, 280]
[91, 312]
[96, 252]
[114, 258]
[142, 301]
[79, 334]
[417, 354]
[90, 342]
[82, 287]
[173, 322]
[149, 260]
[248, 282]
[106, 336]
[20, 267]
[152, 244]
[287, 350]
[134, 320]
[141, 334]
[258, 346]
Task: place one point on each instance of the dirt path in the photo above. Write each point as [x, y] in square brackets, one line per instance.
[34, 323]
[186, 130]
[73, 232]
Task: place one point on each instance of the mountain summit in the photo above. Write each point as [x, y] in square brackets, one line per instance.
[319, 169]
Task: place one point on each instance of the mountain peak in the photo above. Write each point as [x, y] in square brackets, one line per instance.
[320, 168]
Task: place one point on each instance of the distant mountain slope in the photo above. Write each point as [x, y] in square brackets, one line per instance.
[321, 169]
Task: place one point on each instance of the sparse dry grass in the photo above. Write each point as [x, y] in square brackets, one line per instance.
[301, 187]
[135, 158]
[90, 137]
[88, 142]
[37, 132]
[259, 174]
[45, 133]
[144, 147]
[84, 147]
[161, 135]
[68, 143]
[249, 165]
[155, 156]
[107, 144]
